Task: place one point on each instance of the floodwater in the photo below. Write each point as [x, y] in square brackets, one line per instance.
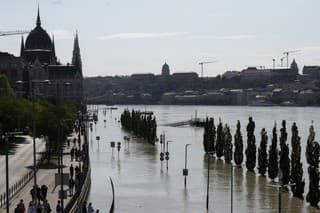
[141, 185]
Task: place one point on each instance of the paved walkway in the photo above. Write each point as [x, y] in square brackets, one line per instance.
[47, 177]
[20, 162]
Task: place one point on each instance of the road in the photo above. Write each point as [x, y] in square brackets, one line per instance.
[20, 162]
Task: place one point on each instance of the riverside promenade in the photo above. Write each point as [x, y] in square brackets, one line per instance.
[46, 176]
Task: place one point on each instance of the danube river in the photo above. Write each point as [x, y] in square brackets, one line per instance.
[141, 185]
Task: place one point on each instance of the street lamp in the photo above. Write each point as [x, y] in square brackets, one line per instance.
[208, 177]
[167, 154]
[185, 170]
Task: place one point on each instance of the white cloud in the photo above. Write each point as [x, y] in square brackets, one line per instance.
[56, 1]
[227, 37]
[61, 34]
[237, 37]
[141, 35]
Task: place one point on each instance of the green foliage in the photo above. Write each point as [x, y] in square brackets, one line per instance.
[284, 155]
[262, 153]
[312, 154]
[238, 142]
[296, 165]
[251, 147]
[140, 124]
[273, 166]
[5, 88]
[209, 136]
[227, 150]
[220, 140]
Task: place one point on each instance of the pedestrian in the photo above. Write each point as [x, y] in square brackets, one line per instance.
[17, 209]
[38, 194]
[76, 153]
[44, 190]
[33, 194]
[71, 185]
[71, 171]
[77, 170]
[74, 141]
[22, 207]
[72, 153]
[31, 208]
[68, 142]
[39, 208]
[46, 207]
[97, 211]
[58, 207]
[90, 208]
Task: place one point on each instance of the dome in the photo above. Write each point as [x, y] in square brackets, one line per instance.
[165, 69]
[38, 38]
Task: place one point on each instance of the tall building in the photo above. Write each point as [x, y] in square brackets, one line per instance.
[165, 70]
[43, 73]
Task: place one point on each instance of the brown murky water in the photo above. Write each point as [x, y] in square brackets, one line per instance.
[141, 185]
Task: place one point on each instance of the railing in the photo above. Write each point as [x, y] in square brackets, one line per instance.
[16, 187]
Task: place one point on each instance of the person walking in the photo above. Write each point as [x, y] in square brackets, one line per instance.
[71, 169]
[22, 207]
[31, 208]
[58, 207]
[46, 207]
[72, 153]
[71, 186]
[90, 208]
[44, 190]
[84, 207]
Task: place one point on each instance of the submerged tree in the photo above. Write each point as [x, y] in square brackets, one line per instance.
[238, 143]
[262, 153]
[284, 155]
[227, 144]
[209, 136]
[296, 166]
[251, 146]
[220, 140]
[273, 156]
[312, 154]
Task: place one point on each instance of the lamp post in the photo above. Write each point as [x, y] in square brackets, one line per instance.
[5, 139]
[167, 154]
[185, 170]
[208, 177]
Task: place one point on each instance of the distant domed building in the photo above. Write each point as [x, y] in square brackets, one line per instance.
[43, 72]
[165, 69]
[294, 66]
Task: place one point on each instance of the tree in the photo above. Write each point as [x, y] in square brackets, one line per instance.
[227, 144]
[220, 140]
[238, 143]
[296, 165]
[312, 154]
[209, 136]
[273, 156]
[284, 155]
[262, 153]
[251, 147]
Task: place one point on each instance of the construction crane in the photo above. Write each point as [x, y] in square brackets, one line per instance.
[287, 55]
[17, 32]
[205, 62]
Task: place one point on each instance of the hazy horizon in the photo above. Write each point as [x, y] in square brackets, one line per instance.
[125, 37]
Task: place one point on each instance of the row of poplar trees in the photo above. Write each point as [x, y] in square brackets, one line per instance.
[140, 124]
[275, 161]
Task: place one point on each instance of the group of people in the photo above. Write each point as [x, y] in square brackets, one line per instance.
[33, 207]
[88, 209]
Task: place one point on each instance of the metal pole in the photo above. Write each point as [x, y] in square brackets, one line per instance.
[61, 167]
[185, 163]
[279, 199]
[231, 188]
[7, 174]
[34, 146]
[167, 156]
[208, 183]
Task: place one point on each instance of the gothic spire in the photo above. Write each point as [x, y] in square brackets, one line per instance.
[22, 47]
[38, 18]
[76, 57]
[53, 47]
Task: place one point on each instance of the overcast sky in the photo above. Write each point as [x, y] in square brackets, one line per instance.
[121, 37]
